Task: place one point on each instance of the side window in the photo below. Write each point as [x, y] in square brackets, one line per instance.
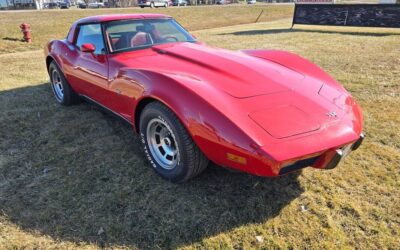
[91, 33]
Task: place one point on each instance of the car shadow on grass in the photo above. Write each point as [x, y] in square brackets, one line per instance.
[77, 174]
[295, 30]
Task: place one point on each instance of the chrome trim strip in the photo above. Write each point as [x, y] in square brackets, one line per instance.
[104, 107]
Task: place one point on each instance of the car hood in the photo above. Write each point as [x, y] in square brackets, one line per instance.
[281, 101]
[234, 73]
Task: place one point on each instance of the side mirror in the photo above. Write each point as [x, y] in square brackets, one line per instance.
[88, 47]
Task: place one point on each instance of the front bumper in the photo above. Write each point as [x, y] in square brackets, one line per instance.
[328, 160]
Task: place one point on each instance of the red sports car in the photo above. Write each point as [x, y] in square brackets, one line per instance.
[265, 112]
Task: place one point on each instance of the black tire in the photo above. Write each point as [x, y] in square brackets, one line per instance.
[142, 7]
[190, 160]
[69, 97]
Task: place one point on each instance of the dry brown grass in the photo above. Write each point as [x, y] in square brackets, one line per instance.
[67, 174]
[54, 24]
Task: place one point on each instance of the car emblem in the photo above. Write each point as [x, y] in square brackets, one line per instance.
[331, 114]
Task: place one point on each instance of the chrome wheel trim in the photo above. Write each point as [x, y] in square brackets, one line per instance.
[56, 83]
[162, 144]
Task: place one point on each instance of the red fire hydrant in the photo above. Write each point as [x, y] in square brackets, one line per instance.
[25, 28]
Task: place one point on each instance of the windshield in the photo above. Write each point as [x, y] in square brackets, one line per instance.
[135, 34]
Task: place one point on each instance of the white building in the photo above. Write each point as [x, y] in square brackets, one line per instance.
[4, 4]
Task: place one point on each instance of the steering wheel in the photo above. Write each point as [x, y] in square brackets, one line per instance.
[171, 37]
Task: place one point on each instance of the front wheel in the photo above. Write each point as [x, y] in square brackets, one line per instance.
[63, 92]
[168, 146]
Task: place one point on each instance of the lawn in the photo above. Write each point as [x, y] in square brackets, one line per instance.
[54, 24]
[76, 177]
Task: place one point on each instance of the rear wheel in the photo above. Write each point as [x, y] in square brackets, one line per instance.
[63, 92]
[168, 146]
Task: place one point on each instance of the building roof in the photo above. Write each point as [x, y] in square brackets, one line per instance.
[115, 17]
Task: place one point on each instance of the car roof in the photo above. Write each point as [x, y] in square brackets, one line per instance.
[116, 17]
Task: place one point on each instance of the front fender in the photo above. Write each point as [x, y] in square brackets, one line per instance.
[222, 141]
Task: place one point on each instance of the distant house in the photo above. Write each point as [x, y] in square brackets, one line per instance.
[4, 4]
[17, 4]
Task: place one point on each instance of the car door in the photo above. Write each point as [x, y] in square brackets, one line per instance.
[124, 91]
[160, 3]
[90, 70]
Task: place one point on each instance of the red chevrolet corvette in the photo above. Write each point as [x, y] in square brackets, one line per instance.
[265, 112]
